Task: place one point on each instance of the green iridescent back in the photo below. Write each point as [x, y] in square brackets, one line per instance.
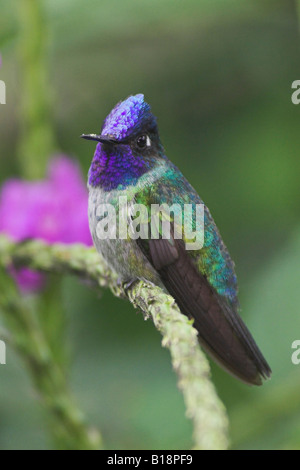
[213, 260]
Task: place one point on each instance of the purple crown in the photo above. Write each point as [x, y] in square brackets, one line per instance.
[127, 117]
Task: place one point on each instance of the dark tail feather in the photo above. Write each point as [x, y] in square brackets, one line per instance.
[221, 330]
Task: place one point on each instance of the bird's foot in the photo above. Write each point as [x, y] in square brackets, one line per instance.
[124, 286]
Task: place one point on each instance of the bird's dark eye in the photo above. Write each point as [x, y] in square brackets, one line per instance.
[143, 141]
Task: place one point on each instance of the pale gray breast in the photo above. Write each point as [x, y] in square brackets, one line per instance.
[122, 255]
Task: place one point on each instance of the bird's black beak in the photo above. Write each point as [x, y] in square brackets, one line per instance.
[104, 139]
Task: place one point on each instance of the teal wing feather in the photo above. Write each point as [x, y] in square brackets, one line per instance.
[203, 283]
[213, 260]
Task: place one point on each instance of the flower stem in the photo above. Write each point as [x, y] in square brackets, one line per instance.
[37, 140]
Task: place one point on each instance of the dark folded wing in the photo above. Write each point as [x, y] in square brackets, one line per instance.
[221, 330]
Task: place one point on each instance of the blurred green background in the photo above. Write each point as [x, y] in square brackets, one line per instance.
[218, 76]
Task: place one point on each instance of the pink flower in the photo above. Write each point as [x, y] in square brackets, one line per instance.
[53, 210]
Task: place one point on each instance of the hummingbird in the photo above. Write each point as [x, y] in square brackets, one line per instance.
[130, 161]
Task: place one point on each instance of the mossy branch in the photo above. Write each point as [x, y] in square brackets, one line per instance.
[67, 424]
[202, 403]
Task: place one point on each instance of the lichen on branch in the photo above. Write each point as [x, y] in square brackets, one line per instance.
[203, 406]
